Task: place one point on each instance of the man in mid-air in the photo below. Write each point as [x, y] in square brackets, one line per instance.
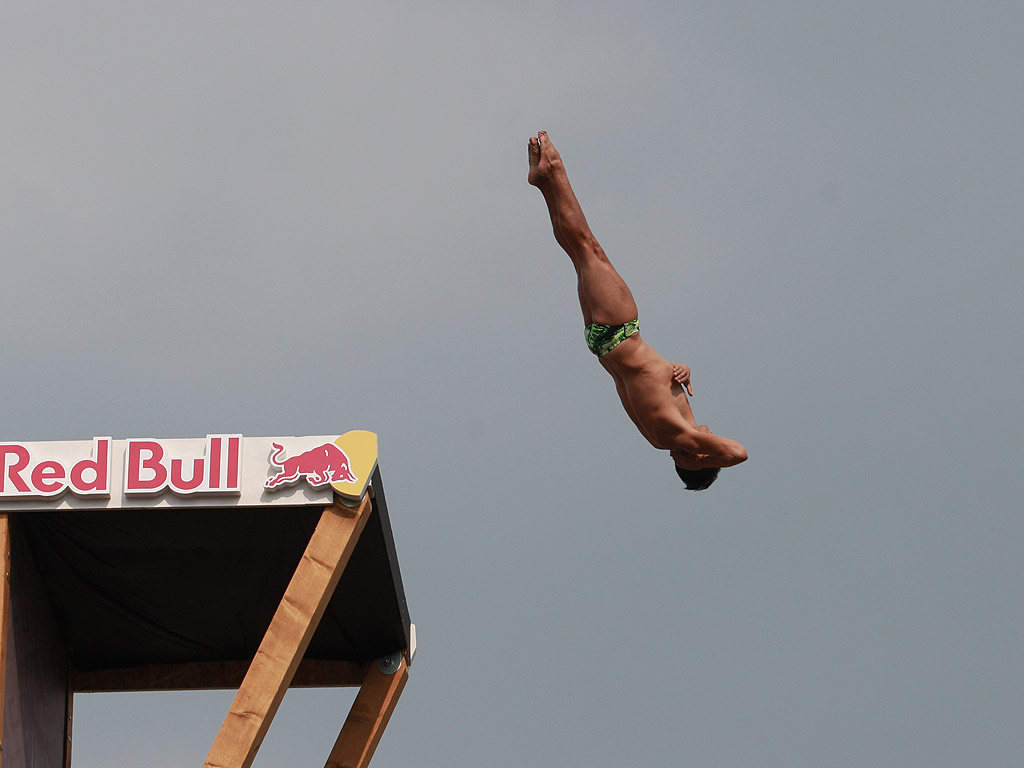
[653, 391]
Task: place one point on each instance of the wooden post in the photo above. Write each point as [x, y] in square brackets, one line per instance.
[5, 616]
[369, 715]
[288, 636]
[68, 722]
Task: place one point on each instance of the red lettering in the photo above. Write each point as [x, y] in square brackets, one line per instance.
[133, 480]
[213, 451]
[99, 467]
[178, 483]
[234, 459]
[12, 471]
[148, 468]
[48, 477]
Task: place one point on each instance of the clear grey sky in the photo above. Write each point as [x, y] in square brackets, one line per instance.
[302, 218]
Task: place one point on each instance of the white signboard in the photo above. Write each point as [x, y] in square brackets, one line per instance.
[218, 470]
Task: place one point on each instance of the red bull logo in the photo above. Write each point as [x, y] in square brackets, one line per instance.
[324, 464]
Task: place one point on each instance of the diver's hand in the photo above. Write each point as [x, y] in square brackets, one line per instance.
[681, 375]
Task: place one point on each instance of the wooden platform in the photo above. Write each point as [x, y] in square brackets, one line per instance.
[254, 598]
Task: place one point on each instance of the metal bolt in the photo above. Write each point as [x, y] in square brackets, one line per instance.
[389, 664]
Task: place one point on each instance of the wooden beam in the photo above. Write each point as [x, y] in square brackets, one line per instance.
[5, 615]
[368, 717]
[68, 722]
[288, 635]
[209, 676]
[35, 720]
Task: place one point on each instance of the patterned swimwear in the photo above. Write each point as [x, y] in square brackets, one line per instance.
[602, 339]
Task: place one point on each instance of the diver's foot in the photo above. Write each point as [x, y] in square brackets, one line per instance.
[544, 159]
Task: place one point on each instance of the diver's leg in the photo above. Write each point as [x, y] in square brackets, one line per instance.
[604, 296]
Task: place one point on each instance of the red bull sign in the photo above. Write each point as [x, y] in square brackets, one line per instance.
[218, 470]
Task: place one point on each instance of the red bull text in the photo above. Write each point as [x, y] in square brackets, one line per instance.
[148, 469]
[22, 474]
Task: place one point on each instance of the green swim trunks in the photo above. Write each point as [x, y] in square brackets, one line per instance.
[602, 339]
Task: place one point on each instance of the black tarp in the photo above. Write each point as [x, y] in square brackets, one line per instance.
[137, 587]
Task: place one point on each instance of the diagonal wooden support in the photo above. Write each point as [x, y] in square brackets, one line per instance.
[370, 713]
[5, 615]
[288, 636]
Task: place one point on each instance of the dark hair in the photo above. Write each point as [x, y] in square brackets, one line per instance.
[697, 479]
